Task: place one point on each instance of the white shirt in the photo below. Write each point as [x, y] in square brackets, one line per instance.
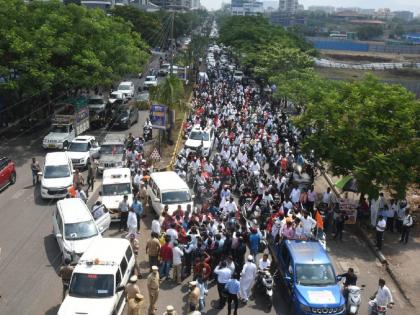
[177, 254]
[264, 264]
[223, 274]
[308, 224]
[173, 234]
[132, 219]
[156, 226]
[384, 296]
[137, 179]
[295, 195]
[326, 197]
[408, 220]
[381, 225]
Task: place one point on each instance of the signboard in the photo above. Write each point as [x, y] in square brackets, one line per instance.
[349, 208]
[158, 116]
[155, 155]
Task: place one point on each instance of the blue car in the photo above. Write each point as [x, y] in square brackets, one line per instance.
[309, 276]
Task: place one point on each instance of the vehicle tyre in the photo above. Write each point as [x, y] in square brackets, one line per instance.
[12, 178]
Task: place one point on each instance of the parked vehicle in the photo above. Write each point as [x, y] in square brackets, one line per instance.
[70, 119]
[112, 152]
[98, 280]
[309, 276]
[75, 228]
[116, 183]
[7, 172]
[167, 188]
[57, 175]
[81, 149]
[126, 88]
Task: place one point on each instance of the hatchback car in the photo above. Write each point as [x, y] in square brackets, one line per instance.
[7, 172]
[75, 228]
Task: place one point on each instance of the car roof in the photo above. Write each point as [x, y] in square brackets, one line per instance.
[73, 210]
[151, 77]
[126, 82]
[108, 252]
[198, 128]
[310, 252]
[56, 158]
[114, 138]
[96, 97]
[116, 175]
[83, 138]
[167, 181]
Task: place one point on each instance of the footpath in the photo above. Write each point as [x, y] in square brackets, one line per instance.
[396, 263]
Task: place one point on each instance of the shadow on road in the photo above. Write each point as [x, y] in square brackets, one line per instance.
[53, 252]
[53, 310]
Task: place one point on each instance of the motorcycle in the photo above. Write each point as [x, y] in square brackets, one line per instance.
[264, 285]
[379, 309]
[147, 133]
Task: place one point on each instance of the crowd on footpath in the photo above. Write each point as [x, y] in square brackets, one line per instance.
[256, 187]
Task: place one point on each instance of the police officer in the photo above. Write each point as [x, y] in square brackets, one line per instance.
[132, 288]
[153, 288]
[134, 304]
[170, 310]
[65, 273]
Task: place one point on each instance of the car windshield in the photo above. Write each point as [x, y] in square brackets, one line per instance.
[80, 230]
[172, 197]
[59, 128]
[112, 149]
[238, 73]
[122, 112]
[124, 87]
[95, 101]
[116, 95]
[315, 274]
[143, 97]
[150, 78]
[78, 147]
[56, 171]
[116, 189]
[91, 285]
[199, 135]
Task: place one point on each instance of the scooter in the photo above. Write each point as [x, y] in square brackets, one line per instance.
[354, 299]
[147, 133]
[265, 284]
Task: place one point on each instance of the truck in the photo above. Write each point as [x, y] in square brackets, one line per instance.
[70, 119]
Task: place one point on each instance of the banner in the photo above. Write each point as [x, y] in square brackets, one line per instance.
[349, 208]
[158, 116]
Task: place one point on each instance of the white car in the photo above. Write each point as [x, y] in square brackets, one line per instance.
[198, 137]
[75, 228]
[238, 75]
[127, 88]
[81, 149]
[150, 80]
[57, 175]
[116, 95]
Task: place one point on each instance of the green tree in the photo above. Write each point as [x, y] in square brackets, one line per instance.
[367, 129]
[366, 32]
[170, 92]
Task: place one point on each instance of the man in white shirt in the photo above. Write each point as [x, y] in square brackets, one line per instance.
[308, 223]
[223, 276]
[177, 254]
[383, 297]
[380, 229]
[264, 262]
[131, 222]
[326, 196]
[172, 233]
[295, 195]
[407, 223]
[137, 180]
[156, 226]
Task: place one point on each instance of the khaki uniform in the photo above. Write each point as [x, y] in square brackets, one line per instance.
[153, 288]
[194, 297]
[134, 307]
[65, 274]
[153, 249]
[131, 290]
[170, 313]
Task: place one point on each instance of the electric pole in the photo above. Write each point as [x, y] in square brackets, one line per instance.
[171, 60]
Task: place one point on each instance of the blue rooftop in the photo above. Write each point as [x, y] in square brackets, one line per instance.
[304, 252]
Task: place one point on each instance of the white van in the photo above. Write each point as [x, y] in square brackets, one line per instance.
[167, 188]
[57, 175]
[116, 183]
[98, 280]
[75, 228]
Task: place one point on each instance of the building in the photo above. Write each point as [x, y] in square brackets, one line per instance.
[270, 6]
[195, 4]
[288, 6]
[404, 15]
[384, 14]
[322, 8]
[287, 20]
[177, 5]
[246, 7]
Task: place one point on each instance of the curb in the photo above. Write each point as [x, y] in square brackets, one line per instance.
[381, 257]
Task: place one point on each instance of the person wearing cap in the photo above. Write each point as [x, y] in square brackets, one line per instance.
[153, 281]
[193, 296]
[177, 254]
[248, 274]
[288, 231]
[170, 310]
[135, 304]
[135, 245]
[132, 289]
[65, 273]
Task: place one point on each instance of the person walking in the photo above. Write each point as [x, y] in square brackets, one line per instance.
[153, 289]
[135, 304]
[223, 275]
[139, 210]
[166, 257]
[132, 289]
[407, 223]
[153, 249]
[380, 229]
[177, 254]
[339, 226]
[170, 310]
[35, 168]
[193, 296]
[65, 273]
[248, 274]
[203, 292]
[132, 222]
[123, 208]
[90, 178]
[232, 288]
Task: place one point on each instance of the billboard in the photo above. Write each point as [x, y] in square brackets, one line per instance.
[158, 116]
